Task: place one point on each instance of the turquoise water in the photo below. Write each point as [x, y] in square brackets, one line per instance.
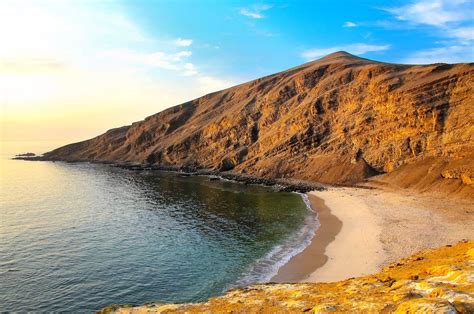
[77, 237]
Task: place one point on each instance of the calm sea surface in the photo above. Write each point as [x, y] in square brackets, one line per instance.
[77, 237]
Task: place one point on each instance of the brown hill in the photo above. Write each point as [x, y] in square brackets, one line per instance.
[337, 120]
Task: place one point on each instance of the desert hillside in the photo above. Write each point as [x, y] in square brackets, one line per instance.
[433, 281]
[340, 120]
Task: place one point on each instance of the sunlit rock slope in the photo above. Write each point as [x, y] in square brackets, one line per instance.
[340, 119]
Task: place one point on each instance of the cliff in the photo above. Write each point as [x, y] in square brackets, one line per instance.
[338, 120]
[432, 281]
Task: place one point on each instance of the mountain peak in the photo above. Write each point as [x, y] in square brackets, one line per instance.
[377, 116]
[339, 54]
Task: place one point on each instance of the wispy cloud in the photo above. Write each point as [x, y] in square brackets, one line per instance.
[446, 54]
[183, 42]
[349, 24]
[158, 59]
[432, 12]
[189, 69]
[255, 11]
[465, 34]
[357, 49]
[448, 19]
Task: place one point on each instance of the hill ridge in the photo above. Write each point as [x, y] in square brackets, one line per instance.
[340, 54]
[339, 120]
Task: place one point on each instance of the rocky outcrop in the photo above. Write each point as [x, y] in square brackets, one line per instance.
[338, 120]
[433, 281]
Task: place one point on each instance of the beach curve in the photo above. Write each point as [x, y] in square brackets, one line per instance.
[364, 229]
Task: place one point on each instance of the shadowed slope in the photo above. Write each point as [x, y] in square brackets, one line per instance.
[340, 119]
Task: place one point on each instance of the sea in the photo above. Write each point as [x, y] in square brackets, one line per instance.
[75, 237]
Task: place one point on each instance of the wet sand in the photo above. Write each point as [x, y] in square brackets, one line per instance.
[312, 257]
[357, 249]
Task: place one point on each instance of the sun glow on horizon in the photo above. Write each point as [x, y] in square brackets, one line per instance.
[62, 78]
[72, 69]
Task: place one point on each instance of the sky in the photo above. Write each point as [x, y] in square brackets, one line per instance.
[70, 70]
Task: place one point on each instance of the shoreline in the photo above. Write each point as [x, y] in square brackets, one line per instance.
[280, 184]
[357, 250]
[363, 230]
[312, 257]
[384, 224]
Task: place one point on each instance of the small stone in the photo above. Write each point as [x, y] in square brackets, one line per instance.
[466, 179]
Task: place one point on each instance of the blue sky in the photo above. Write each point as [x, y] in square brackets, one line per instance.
[72, 69]
[249, 39]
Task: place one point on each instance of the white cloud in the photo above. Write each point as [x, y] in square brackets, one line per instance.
[255, 11]
[432, 12]
[248, 13]
[464, 34]
[183, 42]
[448, 54]
[349, 24]
[189, 69]
[356, 49]
[449, 19]
[159, 59]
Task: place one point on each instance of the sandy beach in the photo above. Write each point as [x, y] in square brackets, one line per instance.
[364, 229]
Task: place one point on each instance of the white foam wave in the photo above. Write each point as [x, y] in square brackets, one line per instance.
[265, 268]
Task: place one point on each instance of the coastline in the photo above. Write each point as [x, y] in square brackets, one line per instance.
[280, 184]
[312, 257]
[357, 249]
[384, 224]
[363, 230]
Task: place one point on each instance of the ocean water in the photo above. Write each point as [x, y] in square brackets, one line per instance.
[77, 237]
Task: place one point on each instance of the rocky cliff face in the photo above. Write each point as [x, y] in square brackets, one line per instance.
[433, 281]
[340, 119]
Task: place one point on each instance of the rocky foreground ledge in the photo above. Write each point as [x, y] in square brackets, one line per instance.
[439, 280]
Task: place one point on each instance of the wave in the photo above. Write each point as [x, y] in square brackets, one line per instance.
[265, 268]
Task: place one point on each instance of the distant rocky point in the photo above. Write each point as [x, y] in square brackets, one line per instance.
[26, 155]
[337, 120]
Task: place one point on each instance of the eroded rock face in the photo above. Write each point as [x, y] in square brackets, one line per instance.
[432, 281]
[340, 119]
